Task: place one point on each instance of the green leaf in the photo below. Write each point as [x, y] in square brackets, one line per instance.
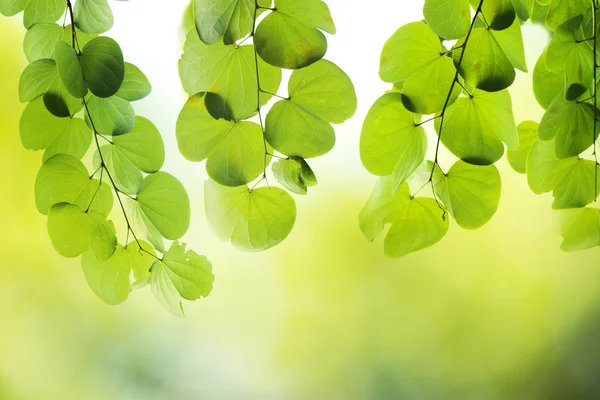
[500, 14]
[166, 204]
[254, 220]
[103, 66]
[40, 39]
[571, 124]
[111, 115]
[229, 74]
[140, 262]
[109, 280]
[164, 290]
[416, 223]
[294, 174]
[510, 41]
[294, 131]
[391, 141]
[414, 56]
[190, 273]
[571, 179]
[484, 64]
[42, 11]
[41, 130]
[12, 7]
[63, 178]
[528, 133]
[568, 55]
[93, 16]
[548, 86]
[470, 193]
[449, 19]
[239, 157]
[561, 11]
[524, 8]
[126, 176]
[197, 131]
[36, 79]
[580, 229]
[143, 146]
[475, 127]
[60, 102]
[324, 90]
[69, 69]
[102, 236]
[73, 230]
[135, 85]
[232, 19]
[289, 37]
[68, 227]
[235, 151]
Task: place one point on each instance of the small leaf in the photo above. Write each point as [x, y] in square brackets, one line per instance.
[93, 16]
[449, 19]
[190, 272]
[103, 66]
[294, 174]
[36, 79]
[135, 85]
[111, 115]
[289, 37]
[391, 141]
[40, 39]
[580, 229]
[109, 280]
[69, 69]
[528, 132]
[68, 227]
[166, 204]
[571, 125]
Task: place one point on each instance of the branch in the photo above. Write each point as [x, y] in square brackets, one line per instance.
[102, 162]
[448, 97]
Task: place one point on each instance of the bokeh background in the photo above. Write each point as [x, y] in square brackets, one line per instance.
[499, 313]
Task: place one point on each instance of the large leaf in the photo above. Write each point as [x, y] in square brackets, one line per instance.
[470, 193]
[475, 127]
[228, 73]
[254, 220]
[230, 19]
[63, 178]
[449, 19]
[111, 115]
[70, 70]
[416, 222]
[484, 64]
[235, 151]
[290, 36]
[414, 56]
[571, 125]
[528, 133]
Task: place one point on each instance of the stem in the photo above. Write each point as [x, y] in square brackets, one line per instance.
[259, 90]
[449, 96]
[102, 162]
[595, 97]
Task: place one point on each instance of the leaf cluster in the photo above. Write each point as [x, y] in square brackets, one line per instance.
[79, 91]
[232, 68]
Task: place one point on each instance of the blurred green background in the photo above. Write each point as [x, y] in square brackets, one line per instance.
[499, 313]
